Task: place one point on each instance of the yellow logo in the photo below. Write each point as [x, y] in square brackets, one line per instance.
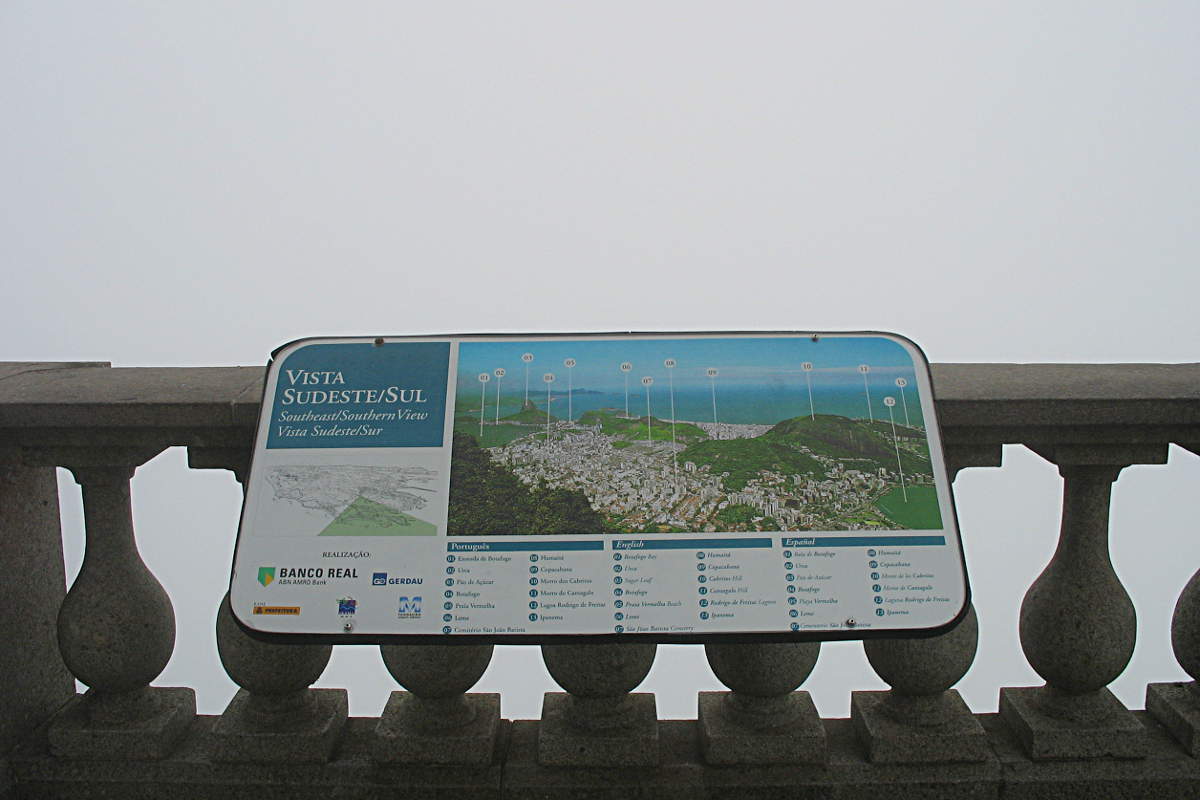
[288, 611]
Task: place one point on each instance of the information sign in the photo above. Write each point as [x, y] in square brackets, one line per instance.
[763, 486]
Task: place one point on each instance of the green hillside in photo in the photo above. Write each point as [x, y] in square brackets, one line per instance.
[529, 420]
[496, 435]
[614, 423]
[921, 512]
[856, 444]
[530, 414]
[744, 458]
[859, 444]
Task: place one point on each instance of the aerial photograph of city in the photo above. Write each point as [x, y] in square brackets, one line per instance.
[688, 435]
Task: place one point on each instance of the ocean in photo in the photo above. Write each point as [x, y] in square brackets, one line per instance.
[737, 405]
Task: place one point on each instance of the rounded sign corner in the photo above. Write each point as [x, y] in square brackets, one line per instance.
[945, 627]
[287, 348]
[906, 343]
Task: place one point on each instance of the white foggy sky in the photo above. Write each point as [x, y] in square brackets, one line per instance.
[197, 183]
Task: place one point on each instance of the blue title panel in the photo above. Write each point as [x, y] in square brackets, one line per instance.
[357, 394]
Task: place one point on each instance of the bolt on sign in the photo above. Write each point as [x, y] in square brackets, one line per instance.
[766, 486]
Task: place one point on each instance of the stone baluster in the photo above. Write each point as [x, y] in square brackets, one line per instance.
[116, 632]
[1078, 625]
[600, 721]
[921, 719]
[274, 716]
[36, 682]
[1177, 705]
[763, 719]
[436, 721]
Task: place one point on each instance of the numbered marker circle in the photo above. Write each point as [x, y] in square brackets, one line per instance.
[669, 363]
[806, 366]
[864, 369]
[527, 357]
[646, 381]
[499, 372]
[711, 372]
[889, 401]
[901, 382]
[626, 366]
[548, 377]
[568, 363]
[484, 377]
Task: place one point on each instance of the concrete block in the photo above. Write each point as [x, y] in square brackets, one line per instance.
[890, 740]
[1103, 728]
[74, 734]
[634, 743]
[726, 739]
[1166, 773]
[241, 736]
[678, 775]
[189, 772]
[1177, 707]
[401, 738]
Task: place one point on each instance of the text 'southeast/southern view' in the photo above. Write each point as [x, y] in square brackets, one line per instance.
[687, 435]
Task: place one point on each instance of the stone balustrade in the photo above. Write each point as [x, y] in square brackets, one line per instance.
[126, 737]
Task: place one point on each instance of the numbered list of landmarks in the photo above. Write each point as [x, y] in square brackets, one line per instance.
[693, 586]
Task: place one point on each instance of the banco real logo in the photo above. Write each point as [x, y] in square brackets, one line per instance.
[305, 576]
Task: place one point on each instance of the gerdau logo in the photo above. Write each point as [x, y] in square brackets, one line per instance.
[266, 575]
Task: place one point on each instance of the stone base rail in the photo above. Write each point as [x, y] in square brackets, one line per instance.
[114, 631]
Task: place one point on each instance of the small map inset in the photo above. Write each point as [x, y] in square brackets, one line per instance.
[361, 501]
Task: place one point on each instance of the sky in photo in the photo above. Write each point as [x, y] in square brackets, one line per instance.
[742, 362]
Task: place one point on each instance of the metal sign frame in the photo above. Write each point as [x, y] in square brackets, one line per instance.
[851, 629]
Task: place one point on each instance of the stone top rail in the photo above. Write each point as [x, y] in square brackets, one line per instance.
[978, 404]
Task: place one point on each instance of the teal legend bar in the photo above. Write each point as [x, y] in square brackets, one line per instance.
[862, 541]
[521, 547]
[689, 544]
